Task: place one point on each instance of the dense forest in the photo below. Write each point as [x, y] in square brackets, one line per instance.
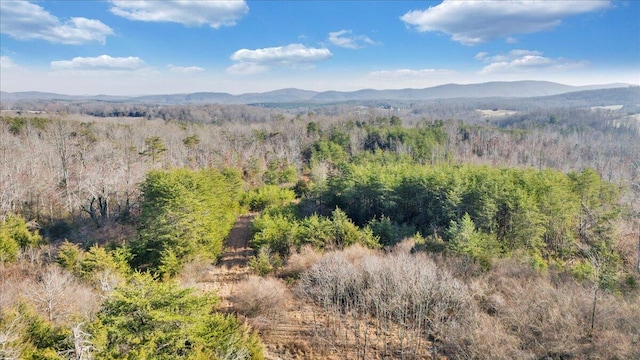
[418, 232]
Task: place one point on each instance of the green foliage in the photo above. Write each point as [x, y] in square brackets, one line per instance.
[582, 270]
[276, 228]
[345, 233]
[9, 248]
[313, 128]
[541, 215]
[184, 213]
[466, 239]
[28, 336]
[96, 263]
[287, 175]
[17, 125]
[390, 233]
[279, 172]
[18, 230]
[420, 143]
[267, 195]
[145, 319]
[15, 235]
[281, 230]
[154, 147]
[326, 151]
[99, 261]
[264, 263]
[191, 141]
[70, 257]
[597, 199]
[227, 339]
[303, 187]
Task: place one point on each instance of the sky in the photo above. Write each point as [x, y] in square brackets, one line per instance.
[125, 47]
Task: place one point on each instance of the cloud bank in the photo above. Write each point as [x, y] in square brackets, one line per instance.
[184, 69]
[518, 61]
[409, 73]
[102, 62]
[475, 22]
[185, 12]
[260, 60]
[23, 20]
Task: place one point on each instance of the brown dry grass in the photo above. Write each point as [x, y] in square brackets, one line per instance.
[521, 313]
[300, 261]
[511, 311]
[261, 297]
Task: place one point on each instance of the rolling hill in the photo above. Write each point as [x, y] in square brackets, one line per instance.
[514, 89]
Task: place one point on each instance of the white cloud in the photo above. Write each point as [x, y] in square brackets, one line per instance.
[511, 55]
[186, 12]
[102, 62]
[25, 21]
[345, 39]
[246, 69]
[474, 22]
[409, 73]
[260, 60]
[481, 55]
[7, 63]
[518, 61]
[184, 69]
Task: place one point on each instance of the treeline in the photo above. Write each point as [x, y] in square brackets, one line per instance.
[550, 218]
[207, 114]
[62, 177]
[195, 110]
[483, 211]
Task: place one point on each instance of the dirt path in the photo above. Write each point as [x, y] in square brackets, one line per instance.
[232, 267]
[237, 251]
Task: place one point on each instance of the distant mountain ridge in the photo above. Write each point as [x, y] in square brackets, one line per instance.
[510, 89]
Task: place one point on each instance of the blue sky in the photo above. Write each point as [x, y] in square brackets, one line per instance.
[166, 46]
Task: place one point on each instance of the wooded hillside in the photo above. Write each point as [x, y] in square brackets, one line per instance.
[510, 236]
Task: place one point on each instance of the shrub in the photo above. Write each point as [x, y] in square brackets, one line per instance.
[259, 296]
[277, 229]
[466, 239]
[282, 231]
[9, 248]
[145, 319]
[264, 263]
[400, 291]
[389, 232]
[15, 235]
[70, 257]
[26, 335]
[267, 195]
[301, 260]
